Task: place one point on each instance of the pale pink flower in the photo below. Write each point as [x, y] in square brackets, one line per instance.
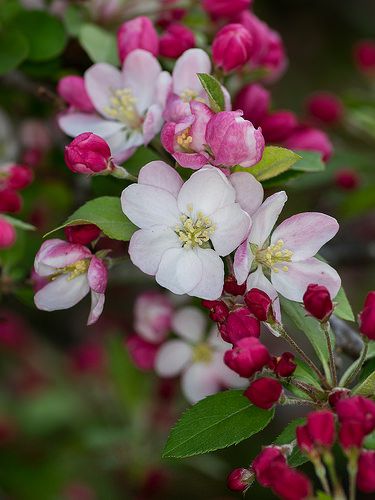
[129, 103]
[72, 272]
[283, 262]
[196, 356]
[185, 228]
[153, 316]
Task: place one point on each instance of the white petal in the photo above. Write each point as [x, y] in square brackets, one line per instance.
[163, 88]
[212, 281]
[100, 81]
[249, 191]
[74, 124]
[293, 283]
[265, 217]
[227, 377]
[189, 323]
[161, 175]
[152, 123]
[97, 304]
[147, 247]
[180, 270]
[198, 381]
[185, 71]
[56, 253]
[232, 227]
[62, 293]
[258, 280]
[147, 206]
[304, 234]
[172, 358]
[243, 259]
[206, 191]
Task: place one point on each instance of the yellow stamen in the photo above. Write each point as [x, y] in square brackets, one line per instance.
[73, 270]
[273, 256]
[122, 108]
[202, 353]
[184, 140]
[196, 232]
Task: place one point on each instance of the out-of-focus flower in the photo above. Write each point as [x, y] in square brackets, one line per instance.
[247, 357]
[88, 154]
[274, 60]
[13, 331]
[264, 392]
[347, 178]
[366, 472]
[240, 323]
[367, 317]
[240, 479]
[197, 357]
[72, 89]
[178, 224]
[318, 432]
[351, 435]
[73, 271]
[325, 107]
[10, 201]
[254, 101]
[88, 357]
[232, 47]
[143, 353]
[138, 33]
[278, 126]
[317, 301]
[225, 8]
[263, 463]
[288, 257]
[153, 316]
[14, 176]
[129, 103]
[364, 56]
[357, 409]
[82, 234]
[310, 139]
[176, 40]
[7, 233]
[290, 484]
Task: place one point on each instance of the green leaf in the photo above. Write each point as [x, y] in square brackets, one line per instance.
[106, 213]
[45, 34]
[296, 458]
[366, 387]
[370, 441]
[19, 224]
[359, 201]
[343, 309]
[214, 91]
[216, 422]
[310, 161]
[99, 44]
[13, 50]
[275, 161]
[73, 19]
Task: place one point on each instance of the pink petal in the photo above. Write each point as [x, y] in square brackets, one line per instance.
[211, 284]
[97, 304]
[202, 115]
[265, 218]
[304, 234]
[159, 174]
[198, 381]
[232, 227]
[189, 323]
[172, 358]
[243, 259]
[62, 293]
[294, 282]
[152, 123]
[187, 66]
[249, 191]
[100, 81]
[258, 280]
[194, 161]
[180, 270]
[57, 253]
[97, 275]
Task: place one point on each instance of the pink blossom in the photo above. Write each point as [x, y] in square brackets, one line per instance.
[10, 201]
[184, 227]
[196, 356]
[232, 47]
[278, 126]
[153, 316]
[72, 89]
[138, 33]
[129, 103]
[225, 8]
[176, 40]
[254, 101]
[142, 352]
[310, 139]
[72, 272]
[15, 176]
[7, 233]
[88, 154]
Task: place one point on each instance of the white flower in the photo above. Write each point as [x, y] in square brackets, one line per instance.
[185, 227]
[197, 357]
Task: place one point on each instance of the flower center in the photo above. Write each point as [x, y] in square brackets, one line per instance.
[188, 95]
[74, 270]
[184, 140]
[196, 232]
[274, 257]
[202, 353]
[122, 108]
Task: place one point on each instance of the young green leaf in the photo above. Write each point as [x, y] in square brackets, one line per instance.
[214, 91]
[18, 224]
[343, 309]
[296, 458]
[105, 212]
[216, 422]
[13, 50]
[99, 44]
[366, 387]
[310, 161]
[275, 161]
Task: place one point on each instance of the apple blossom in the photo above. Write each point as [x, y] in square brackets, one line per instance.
[138, 33]
[7, 234]
[72, 89]
[232, 47]
[239, 324]
[142, 352]
[184, 227]
[240, 479]
[72, 272]
[129, 103]
[278, 126]
[82, 234]
[225, 8]
[196, 356]
[310, 139]
[283, 262]
[264, 392]
[284, 365]
[247, 357]
[10, 201]
[366, 471]
[176, 40]
[364, 55]
[14, 176]
[232, 287]
[218, 310]
[317, 302]
[88, 154]
[367, 317]
[153, 316]
[325, 107]
[254, 101]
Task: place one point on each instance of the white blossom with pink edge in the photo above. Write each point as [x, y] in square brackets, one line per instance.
[197, 357]
[129, 103]
[283, 262]
[71, 272]
[185, 228]
[153, 316]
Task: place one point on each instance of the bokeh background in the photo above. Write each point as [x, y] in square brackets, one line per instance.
[78, 420]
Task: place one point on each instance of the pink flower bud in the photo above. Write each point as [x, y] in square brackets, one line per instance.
[170, 16]
[317, 301]
[347, 179]
[88, 358]
[351, 435]
[72, 89]
[232, 47]
[232, 287]
[153, 316]
[336, 394]
[304, 439]
[218, 310]
[7, 233]
[240, 479]
[358, 409]
[321, 427]
[139, 33]
[10, 201]
[260, 304]
[88, 154]
[82, 234]
[366, 472]
[143, 353]
[254, 100]
[274, 59]
[367, 317]
[290, 484]
[310, 139]
[264, 462]
[238, 325]
[278, 126]
[13, 331]
[264, 392]
[15, 176]
[225, 8]
[284, 365]
[325, 107]
[247, 357]
[364, 55]
[176, 40]
[228, 128]
[259, 32]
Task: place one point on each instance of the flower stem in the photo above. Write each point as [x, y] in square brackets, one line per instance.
[337, 488]
[320, 471]
[360, 361]
[312, 391]
[331, 359]
[297, 402]
[352, 472]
